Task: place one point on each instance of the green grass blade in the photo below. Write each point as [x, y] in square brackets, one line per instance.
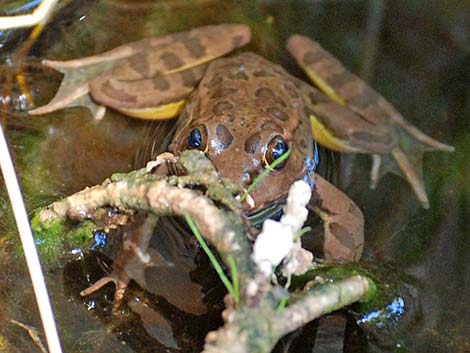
[234, 272]
[260, 177]
[281, 305]
[302, 232]
[213, 260]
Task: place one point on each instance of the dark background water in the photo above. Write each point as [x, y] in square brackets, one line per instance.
[416, 53]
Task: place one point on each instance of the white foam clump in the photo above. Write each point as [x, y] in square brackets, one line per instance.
[277, 239]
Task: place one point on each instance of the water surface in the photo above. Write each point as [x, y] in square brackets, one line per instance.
[416, 53]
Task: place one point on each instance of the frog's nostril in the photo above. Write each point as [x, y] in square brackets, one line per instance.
[245, 179]
[253, 176]
[248, 178]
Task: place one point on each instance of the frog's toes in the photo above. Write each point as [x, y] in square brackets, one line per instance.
[120, 279]
[406, 160]
[412, 173]
[65, 97]
[419, 137]
[74, 89]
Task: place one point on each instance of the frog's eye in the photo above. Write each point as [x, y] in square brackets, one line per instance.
[197, 138]
[276, 148]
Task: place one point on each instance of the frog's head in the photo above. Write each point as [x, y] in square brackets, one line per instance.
[241, 147]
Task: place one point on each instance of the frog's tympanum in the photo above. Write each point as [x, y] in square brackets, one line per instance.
[244, 112]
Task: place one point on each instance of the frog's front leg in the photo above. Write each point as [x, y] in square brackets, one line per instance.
[343, 221]
[372, 124]
[147, 79]
[131, 260]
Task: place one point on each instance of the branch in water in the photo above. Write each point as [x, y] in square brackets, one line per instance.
[256, 322]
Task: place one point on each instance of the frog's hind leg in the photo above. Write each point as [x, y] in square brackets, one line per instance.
[343, 221]
[161, 97]
[403, 144]
[340, 129]
[78, 73]
[148, 79]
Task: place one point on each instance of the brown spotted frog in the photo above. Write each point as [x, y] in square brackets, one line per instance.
[244, 112]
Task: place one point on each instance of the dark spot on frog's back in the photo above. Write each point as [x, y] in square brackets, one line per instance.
[385, 139]
[241, 76]
[262, 73]
[342, 235]
[117, 94]
[237, 41]
[221, 107]
[363, 101]
[354, 210]
[278, 114]
[140, 63]
[271, 126]
[171, 60]
[214, 81]
[340, 79]
[310, 57]
[291, 90]
[252, 143]
[317, 97]
[224, 136]
[222, 92]
[264, 93]
[181, 36]
[188, 78]
[308, 112]
[194, 47]
[161, 83]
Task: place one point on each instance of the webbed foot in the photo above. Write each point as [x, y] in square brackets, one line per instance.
[74, 89]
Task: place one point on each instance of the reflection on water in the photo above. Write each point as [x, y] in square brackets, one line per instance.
[414, 52]
[175, 300]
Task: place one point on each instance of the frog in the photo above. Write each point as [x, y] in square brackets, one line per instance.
[244, 112]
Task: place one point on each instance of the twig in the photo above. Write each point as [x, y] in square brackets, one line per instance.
[33, 333]
[322, 300]
[39, 17]
[162, 196]
[265, 311]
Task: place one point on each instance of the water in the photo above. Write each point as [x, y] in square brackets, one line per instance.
[416, 53]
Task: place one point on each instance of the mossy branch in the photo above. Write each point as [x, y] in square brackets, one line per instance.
[256, 322]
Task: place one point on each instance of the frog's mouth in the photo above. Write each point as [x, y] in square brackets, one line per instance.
[272, 211]
[257, 207]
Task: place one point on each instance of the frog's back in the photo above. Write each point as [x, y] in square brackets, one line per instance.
[251, 89]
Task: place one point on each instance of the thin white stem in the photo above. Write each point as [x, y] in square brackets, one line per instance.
[39, 16]
[32, 258]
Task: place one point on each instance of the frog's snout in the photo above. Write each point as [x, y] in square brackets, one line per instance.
[236, 174]
[242, 179]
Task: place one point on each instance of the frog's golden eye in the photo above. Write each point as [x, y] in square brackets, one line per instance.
[197, 139]
[276, 148]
